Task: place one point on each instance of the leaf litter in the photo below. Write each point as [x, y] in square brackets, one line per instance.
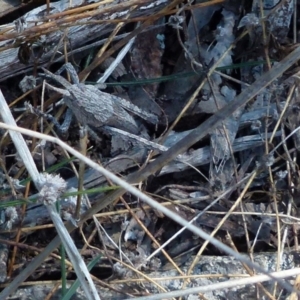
[207, 180]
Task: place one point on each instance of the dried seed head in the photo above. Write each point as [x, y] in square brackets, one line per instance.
[52, 188]
[11, 216]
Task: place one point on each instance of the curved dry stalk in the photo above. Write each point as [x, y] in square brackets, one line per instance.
[50, 189]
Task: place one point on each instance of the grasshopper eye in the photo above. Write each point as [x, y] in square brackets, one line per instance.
[24, 53]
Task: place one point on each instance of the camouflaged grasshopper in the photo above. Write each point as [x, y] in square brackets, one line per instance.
[95, 108]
